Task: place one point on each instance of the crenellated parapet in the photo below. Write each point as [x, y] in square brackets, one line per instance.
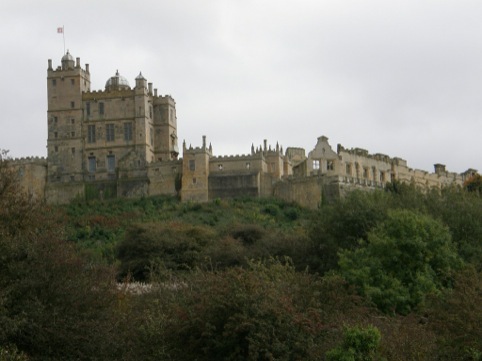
[28, 160]
[107, 94]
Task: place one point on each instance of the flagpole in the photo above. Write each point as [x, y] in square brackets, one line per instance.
[63, 35]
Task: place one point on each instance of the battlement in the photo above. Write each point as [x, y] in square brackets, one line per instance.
[105, 94]
[29, 160]
[233, 157]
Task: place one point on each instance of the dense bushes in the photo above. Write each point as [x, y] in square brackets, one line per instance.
[172, 245]
[266, 311]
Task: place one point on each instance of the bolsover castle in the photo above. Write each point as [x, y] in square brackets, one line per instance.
[122, 142]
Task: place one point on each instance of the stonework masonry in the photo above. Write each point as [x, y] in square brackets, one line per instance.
[122, 142]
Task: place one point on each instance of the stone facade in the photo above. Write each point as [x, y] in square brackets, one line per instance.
[122, 142]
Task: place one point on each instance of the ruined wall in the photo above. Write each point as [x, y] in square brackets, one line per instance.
[234, 185]
[32, 175]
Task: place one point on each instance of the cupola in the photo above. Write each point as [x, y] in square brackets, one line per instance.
[117, 82]
[67, 61]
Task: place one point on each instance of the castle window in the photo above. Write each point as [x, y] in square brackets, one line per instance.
[54, 82]
[109, 132]
[91, 134]
[72, 81]
[72, 134]
[194, 181]
[56, 120]
[127, 131]
[101, 108]
[150, 112]
[111, 163]
[55, 134]
[151, 136]
[92, 164]
[316, 164]
[87, 108]
[72, 121]
[220, 167]
[348, 169]
[56, 149]
[192, 165]
[72, 104]
[365, 173]
[72, 150]
[248, 165]
[330, 165]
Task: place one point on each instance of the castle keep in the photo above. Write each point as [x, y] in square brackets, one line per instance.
[122, 142]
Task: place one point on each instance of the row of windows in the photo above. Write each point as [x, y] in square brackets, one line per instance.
[100, 107]
[110, 162]
[248, 166]
[72, 81]
[56, 134]
[192, 165]
[330, 165]
[109, 132]
[55, 120]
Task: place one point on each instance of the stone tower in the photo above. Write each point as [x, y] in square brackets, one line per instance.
[195, 173]
[65, 142]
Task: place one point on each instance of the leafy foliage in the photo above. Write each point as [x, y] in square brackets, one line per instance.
[342, 224]
[176, 246]
[405, 258]
[474, 184]
[359, 344]
[267, 311]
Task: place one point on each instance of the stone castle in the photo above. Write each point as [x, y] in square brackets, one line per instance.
[122, 142]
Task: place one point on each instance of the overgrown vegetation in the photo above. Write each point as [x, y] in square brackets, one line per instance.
[389, 275]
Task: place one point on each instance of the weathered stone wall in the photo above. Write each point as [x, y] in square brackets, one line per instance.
[307, 192]
[165, 178]
[32, 175]
[63, 193]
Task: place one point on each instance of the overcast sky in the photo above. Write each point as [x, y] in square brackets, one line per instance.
[398, 77]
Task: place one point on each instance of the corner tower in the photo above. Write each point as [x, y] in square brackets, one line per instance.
[65, 86]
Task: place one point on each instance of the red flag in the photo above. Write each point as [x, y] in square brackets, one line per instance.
[60, 30]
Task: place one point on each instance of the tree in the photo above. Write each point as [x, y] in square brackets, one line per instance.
[474, 184]
[53, 305]
[405, 258]
[456, 317]
[342, 224]
[359, 344]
